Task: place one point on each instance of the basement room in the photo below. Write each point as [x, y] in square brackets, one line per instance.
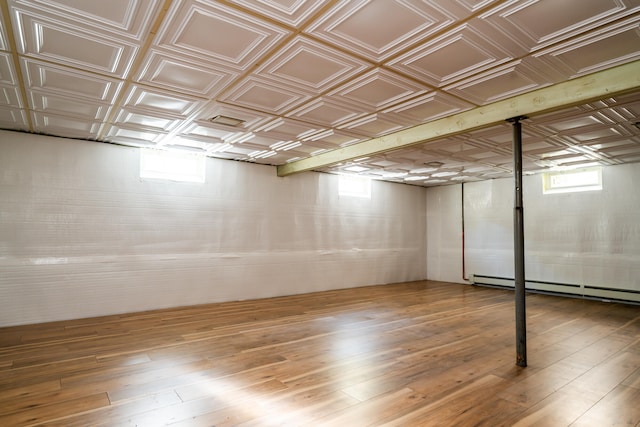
[320, 213]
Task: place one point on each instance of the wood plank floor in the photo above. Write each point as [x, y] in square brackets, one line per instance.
[412, 354]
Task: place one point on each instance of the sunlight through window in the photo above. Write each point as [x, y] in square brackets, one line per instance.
[572, 180]
[354, 186]
[172, 166]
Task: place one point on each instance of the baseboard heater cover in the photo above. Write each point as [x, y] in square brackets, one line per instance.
[566, 289]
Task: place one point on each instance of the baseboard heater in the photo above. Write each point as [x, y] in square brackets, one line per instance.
[565, 289]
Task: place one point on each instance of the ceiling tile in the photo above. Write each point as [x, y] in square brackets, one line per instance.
[348, 25]
[147, 121]
[52, 40]
[70, 82]
[64, 125]
[10, 96]
[290, 12]
[428, 107]
[468, 49]
[13, 118]
[373, 125]
[287, 129]
[125, 17]
[131, 135]
[537, 24]
[310, 66]
[169, 103]
[3, 32]
[169, 71]
[499, 83]
[378, 89]
[265, 96]
[63, 105]
[594, 52]
[218, 34]
[7, 72]
[325, 112]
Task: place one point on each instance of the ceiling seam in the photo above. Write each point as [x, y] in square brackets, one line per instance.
[135, 66]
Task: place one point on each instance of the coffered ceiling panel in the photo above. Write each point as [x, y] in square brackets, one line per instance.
[65, 42]
[65, 125]
[605, 49]
[281, 82]
[400, 22]
[217, 33]
[311, 65]
[155, 100]
[538, 23]
[466, 50]
[68, 106]
[7, 72]
[10, 97]
[70, 82]
[123, 17]
[13, 118]
[184, 75]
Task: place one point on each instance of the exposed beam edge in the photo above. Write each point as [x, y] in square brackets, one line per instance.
[581, 90]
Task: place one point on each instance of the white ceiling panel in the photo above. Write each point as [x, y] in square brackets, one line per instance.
[66, 126]
[373, 125]
[66, 81]
[466, 50]
[311, 66]
[4, 45]
[261, 95]
[132, 135]
[502, 82]
[151, 121]
[7, 71]
[172, 72]
[218, 34]
[599, 51]
[52, 103]
[398, 24]
[290, 12]
[539, 23]
[378, 89]
[124, 17]
[428, 107]
[274, 81]
[50, 39]
[13, 118]
[326, 112]
[169, 103]
[10, 96]
[288, 129]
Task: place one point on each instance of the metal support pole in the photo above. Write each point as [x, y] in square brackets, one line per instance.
[518, 245]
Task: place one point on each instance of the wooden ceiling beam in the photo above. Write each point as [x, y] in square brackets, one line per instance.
[581, 90]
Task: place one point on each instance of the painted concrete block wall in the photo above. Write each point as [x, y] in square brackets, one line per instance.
[82, 235]
[586, 238]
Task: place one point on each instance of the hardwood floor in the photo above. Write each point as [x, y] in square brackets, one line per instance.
[412, 354]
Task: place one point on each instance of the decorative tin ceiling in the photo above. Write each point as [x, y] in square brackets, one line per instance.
[274, 81]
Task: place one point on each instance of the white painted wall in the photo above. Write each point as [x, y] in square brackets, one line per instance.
[444, 230]
[82, 235]
[586, 238]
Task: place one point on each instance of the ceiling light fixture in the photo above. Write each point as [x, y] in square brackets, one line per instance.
[434, 164]
[226, 120]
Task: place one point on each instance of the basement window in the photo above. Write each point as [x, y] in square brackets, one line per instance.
[172, 165]
[354, 186]
[589, 179]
